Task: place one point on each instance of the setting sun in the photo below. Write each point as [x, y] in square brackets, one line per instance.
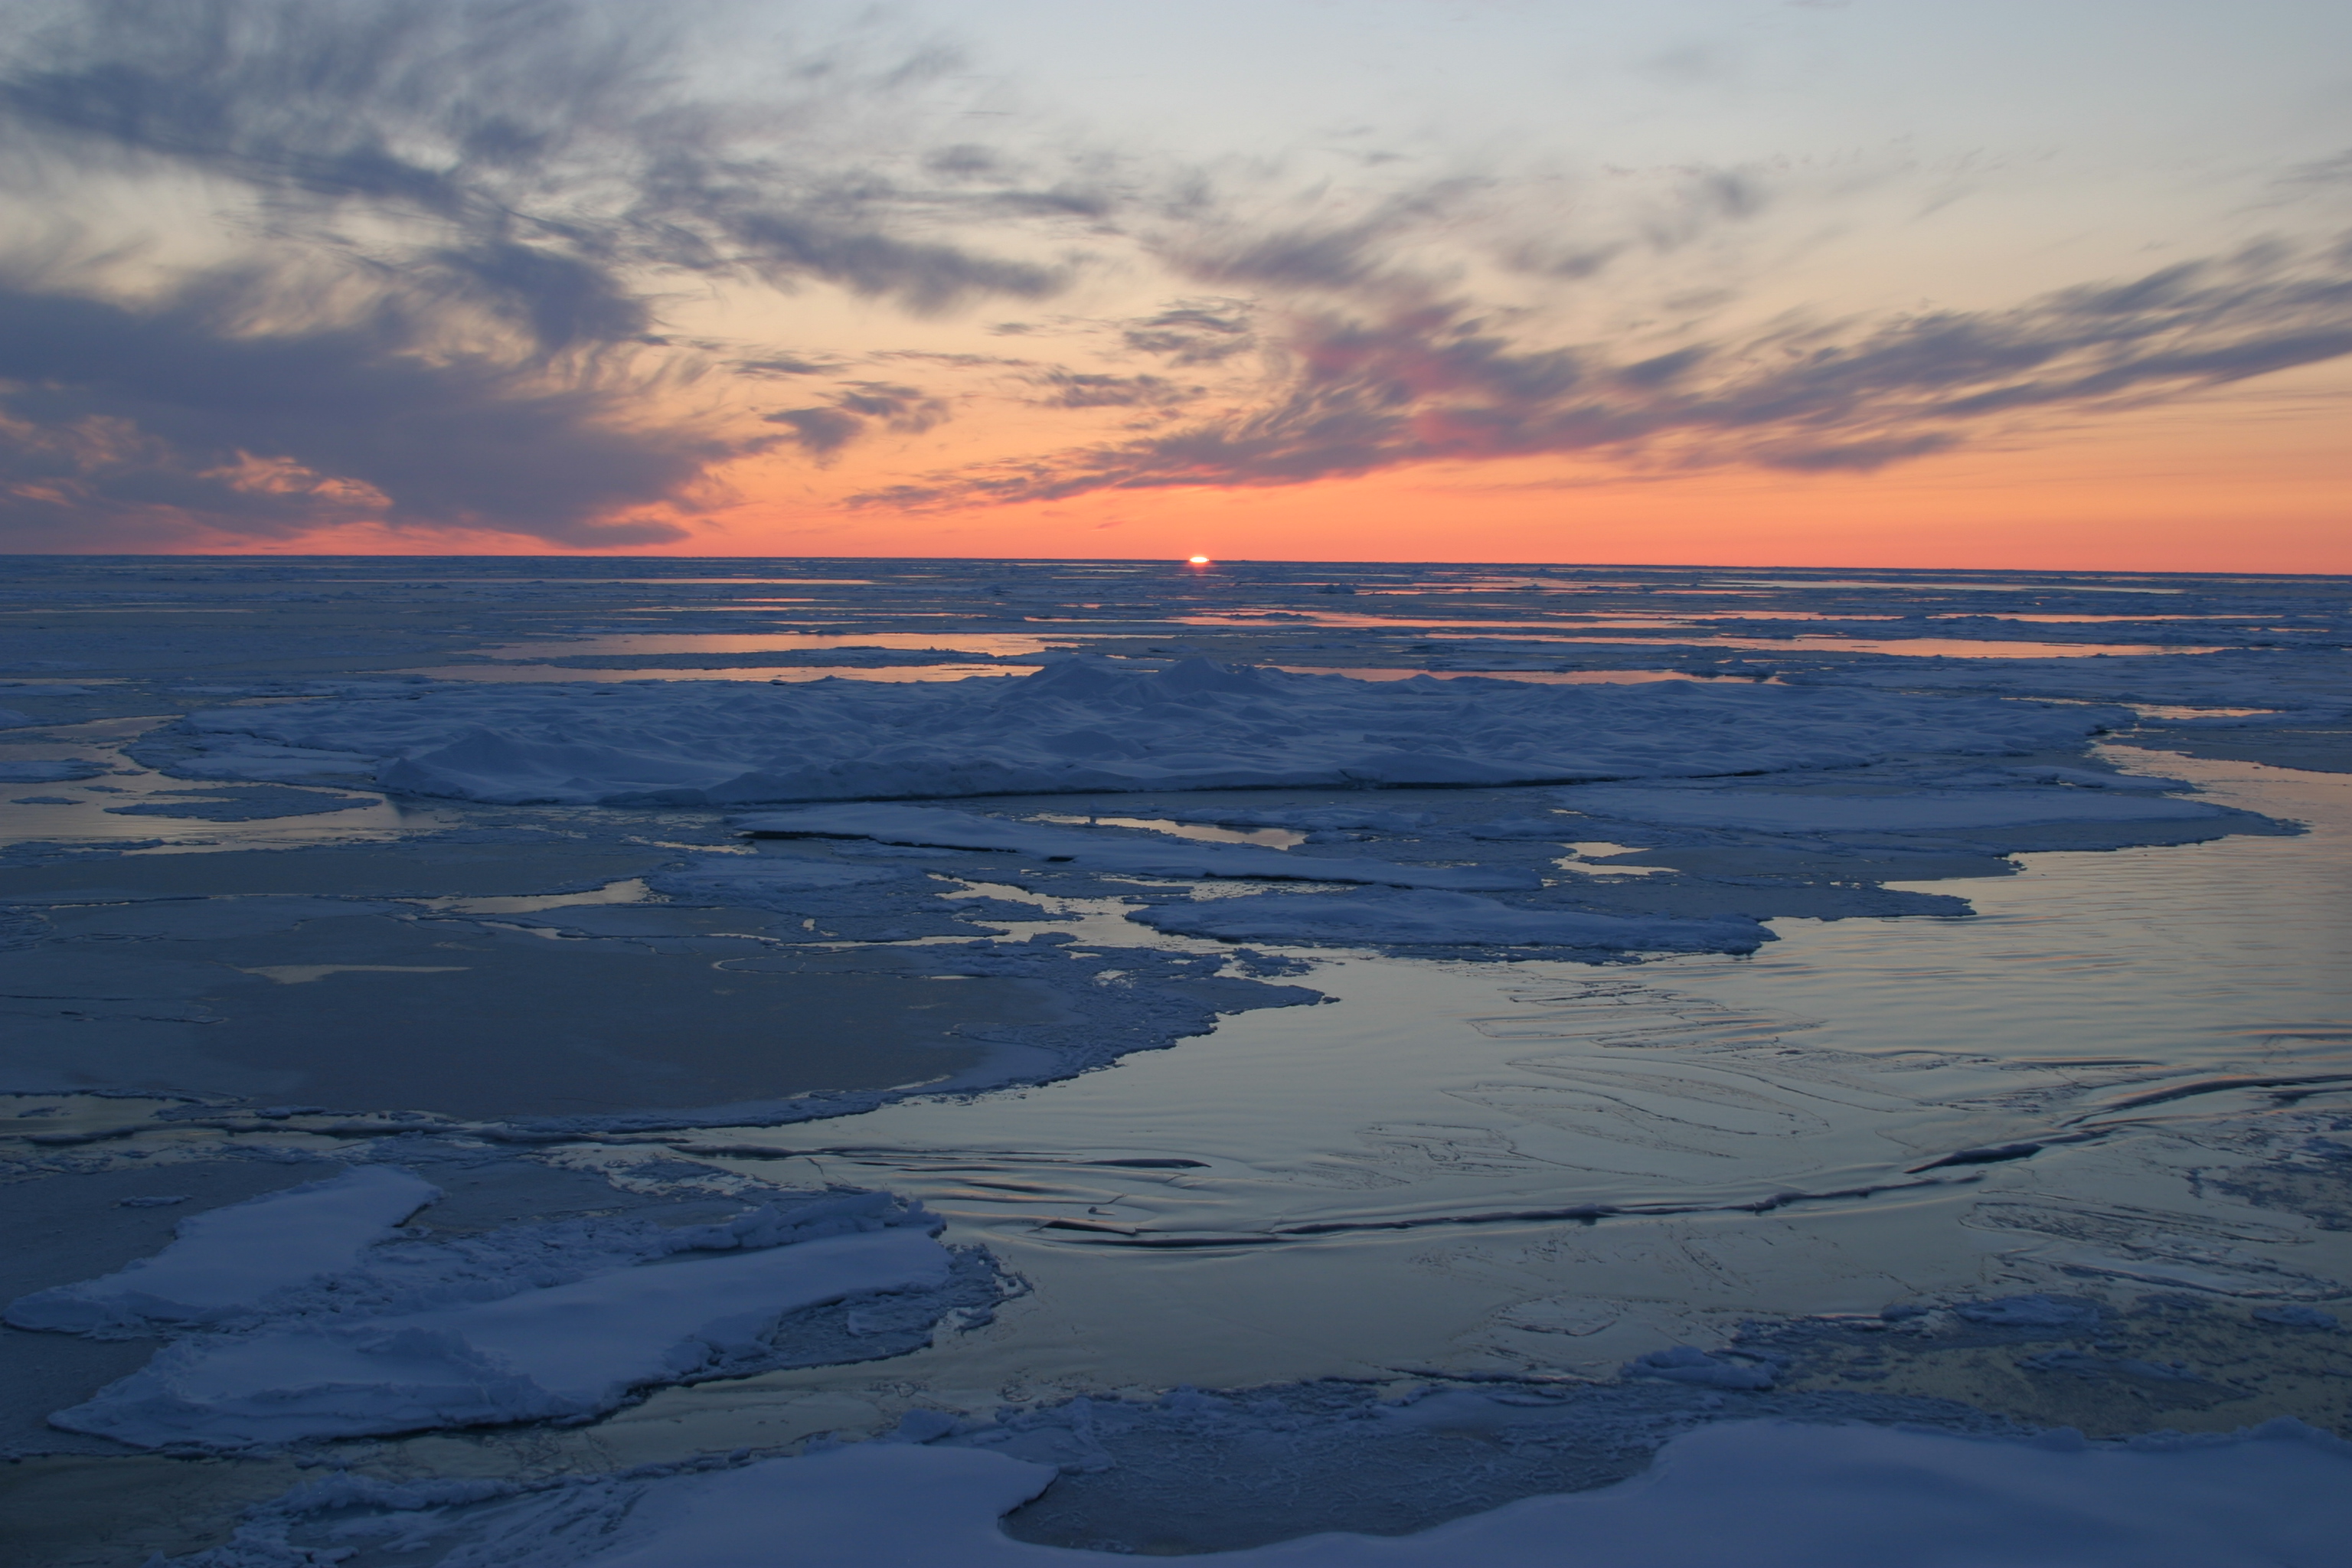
[1198, 561]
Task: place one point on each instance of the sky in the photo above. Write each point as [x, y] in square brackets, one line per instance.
[2063, 285]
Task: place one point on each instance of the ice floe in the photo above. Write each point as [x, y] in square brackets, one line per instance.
[1082, 725]
[565, 1351]
[1108, 849]
[228, 1260]
[356, 1329]
[1432, 918]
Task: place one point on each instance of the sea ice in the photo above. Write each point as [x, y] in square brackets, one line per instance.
[1925, 810]
[1734, 1494]
[564, 1352]
[1104, 849]
[754, 876]
[2296, 1318]
[2034, 1311]
[1688, 1364]
[1081, 725]
[58, 771]
[228, 1261]
[1443, 918]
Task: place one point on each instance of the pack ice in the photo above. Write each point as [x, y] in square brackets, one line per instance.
[1081, 725]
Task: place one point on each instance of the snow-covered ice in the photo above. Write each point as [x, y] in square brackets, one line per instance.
[229, 1260]
[1431, 917]
[563, 1353]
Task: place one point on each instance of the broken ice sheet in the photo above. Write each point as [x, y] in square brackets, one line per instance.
[230, 1261]
[352, 1329]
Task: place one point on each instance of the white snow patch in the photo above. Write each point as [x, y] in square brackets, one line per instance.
[566, 1351]
[1453, 920]
[1101, 850]
[228, 1260]
[1083, 725]
[1777, 813]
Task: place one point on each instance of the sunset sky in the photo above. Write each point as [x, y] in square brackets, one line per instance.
[2065, 284]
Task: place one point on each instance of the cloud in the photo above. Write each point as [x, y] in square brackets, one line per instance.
[453, 223]
[823, 431]
[1079, 389]
[115, 417]
[443, 246]
[1195, 331]
[1352, 395]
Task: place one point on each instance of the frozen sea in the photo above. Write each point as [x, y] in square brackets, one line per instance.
[595, 1061]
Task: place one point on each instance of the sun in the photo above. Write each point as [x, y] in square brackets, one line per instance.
[1198, 561]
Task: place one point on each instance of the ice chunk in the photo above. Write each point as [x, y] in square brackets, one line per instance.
[1082, 725]
[1435, 918]
[1102, 850]
[1688, 1363]
[566, 1351]
[1928, 809]
[227, 1261]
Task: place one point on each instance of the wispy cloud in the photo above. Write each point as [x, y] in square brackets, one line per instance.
[1354, 392]
[456, 221]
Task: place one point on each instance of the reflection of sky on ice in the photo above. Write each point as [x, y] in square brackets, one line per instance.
[1341, 1148]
